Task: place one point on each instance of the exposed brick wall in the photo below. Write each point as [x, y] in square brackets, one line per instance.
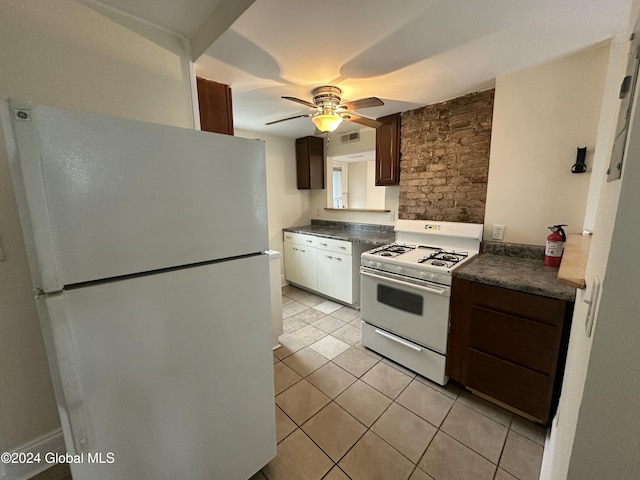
[445, 159]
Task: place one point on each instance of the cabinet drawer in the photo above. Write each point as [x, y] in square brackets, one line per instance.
[525, 342]
[413, 356]
[519, 387]
[333, 245]
[527, 305]
[300, 238]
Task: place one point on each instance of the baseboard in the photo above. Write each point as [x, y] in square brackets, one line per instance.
[283, 281]
[53, 442]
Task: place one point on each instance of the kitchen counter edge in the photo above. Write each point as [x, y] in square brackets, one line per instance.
[520, 274]
[367, 237]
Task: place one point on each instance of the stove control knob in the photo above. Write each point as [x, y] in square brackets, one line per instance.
[372, 263]
[399, 269]
[378, 265]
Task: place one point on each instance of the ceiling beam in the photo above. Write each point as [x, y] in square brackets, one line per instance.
[218, 22]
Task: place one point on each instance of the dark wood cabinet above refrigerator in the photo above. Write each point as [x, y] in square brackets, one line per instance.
[216, 109]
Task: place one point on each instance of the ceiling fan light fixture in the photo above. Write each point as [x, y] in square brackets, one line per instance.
[326, 122]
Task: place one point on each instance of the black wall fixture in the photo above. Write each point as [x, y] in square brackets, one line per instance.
[579, 166]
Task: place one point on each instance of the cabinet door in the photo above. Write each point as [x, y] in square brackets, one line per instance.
[388, 151]
[291, 262]
[325, 272]
[310, 163]
[342, 278]
[216, 110]
[308, 267]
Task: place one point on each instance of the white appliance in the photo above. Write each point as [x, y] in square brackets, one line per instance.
[405, 290]
[146, 246]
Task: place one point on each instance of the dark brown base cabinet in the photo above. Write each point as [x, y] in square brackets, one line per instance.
[508, 346]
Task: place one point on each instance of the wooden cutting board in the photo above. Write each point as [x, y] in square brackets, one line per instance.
[574, 260]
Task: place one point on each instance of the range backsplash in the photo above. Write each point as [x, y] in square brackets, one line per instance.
[445, 159]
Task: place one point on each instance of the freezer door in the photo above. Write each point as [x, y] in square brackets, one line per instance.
[169, 375]
[102, 197]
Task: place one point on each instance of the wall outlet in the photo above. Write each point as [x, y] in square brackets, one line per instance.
[391, 216]
[498, 232]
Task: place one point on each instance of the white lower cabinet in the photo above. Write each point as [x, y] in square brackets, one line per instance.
[335, 275]
[300, 265]
[328, 266]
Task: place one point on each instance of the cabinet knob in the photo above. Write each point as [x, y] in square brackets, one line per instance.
[323, 244]
[329, 256]
[339, 259]
[310, 241]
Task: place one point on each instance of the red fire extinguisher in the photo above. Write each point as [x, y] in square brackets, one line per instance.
[555, 246]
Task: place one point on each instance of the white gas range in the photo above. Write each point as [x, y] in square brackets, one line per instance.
[405, 290]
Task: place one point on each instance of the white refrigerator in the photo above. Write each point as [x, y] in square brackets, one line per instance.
[146, 247]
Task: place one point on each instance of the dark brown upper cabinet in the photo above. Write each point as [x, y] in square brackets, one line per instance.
[216, 109]
[388, 151]
[310, 163]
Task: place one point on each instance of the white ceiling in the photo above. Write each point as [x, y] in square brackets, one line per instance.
[409, 53]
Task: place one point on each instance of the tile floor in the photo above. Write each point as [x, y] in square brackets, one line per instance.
[344, 412]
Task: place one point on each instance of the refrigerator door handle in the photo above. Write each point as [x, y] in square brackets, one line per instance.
[73, 412]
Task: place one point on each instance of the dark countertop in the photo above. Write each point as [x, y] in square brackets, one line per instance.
[516, 273]
[373, 235]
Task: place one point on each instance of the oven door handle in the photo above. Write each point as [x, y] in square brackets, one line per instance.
[397, 339]
[438, 291]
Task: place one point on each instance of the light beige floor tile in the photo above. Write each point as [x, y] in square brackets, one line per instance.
[292, 308]
[298, 458]
[356, 322]
[298, 293]
[331, 379]
[363, 402]
[327, 306]
[290, 344]
[292, 324]
[289, 288]
[530, 430]
[283, 377]
[329, 346]
[450, 389]
[310, 315]
[502, 475]
[301, 401]
[426, 402]
[328, 323]
[369, 352]
[284, 425]
[492, 411]
[480, 433]
[521, 457]
[275, 359]
[355, 361]
[348, 334]
[448, 459]
[346, 314]
[373, 459]
[405, 431]
[336, 474]
[309, 334]
[334, 430]
[286, 300]
[305, 361]
[420, 475]
[386, 379]
[312, 300]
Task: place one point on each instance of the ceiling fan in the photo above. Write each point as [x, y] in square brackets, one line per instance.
[330, 110]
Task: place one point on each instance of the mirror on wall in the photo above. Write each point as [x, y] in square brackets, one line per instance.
[351, 173]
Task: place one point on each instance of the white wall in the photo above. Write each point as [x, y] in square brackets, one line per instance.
[287, 206]
[601, 207]
[540, 116]
[66, 54]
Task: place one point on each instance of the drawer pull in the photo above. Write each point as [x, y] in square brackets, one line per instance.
[398, 340]
[324, 244]
[310, 241]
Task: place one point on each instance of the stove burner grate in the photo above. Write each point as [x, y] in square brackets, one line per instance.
[443, 258]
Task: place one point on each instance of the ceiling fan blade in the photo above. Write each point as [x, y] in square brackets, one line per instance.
[289, 118]
[363, 103]
[367, 122]
[303, 102]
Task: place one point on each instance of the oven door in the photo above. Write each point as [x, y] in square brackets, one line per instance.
[413, 309]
